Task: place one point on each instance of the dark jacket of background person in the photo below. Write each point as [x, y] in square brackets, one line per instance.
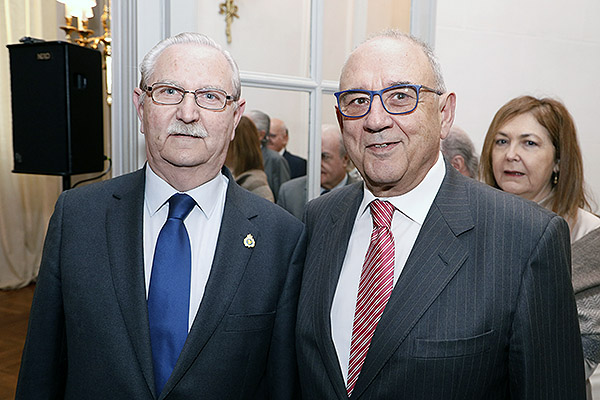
[297, 164]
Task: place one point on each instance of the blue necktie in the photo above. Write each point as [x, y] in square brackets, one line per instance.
[169, 293]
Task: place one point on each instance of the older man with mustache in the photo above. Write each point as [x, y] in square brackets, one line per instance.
[171, 282]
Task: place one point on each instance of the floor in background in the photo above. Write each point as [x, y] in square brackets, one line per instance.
[14, 314]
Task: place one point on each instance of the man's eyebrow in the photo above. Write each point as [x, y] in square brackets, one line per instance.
[400, 83]
[174, 83]
[389, 84]
[168, 82]
[212, 88]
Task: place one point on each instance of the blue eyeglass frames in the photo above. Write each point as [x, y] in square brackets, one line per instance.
[397, 99]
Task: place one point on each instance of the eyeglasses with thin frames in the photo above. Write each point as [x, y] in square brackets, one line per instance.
[397, 99]
[169, 94]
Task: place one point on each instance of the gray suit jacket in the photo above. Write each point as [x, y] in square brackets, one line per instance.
[276, 168]
[586, 285]
[483, 308]
[88, 335]
[293, 195]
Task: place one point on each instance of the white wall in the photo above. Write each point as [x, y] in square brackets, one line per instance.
[495, 50]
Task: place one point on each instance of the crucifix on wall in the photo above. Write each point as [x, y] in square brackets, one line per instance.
[230, 10]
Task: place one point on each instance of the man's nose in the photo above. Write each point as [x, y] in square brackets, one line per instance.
[378, 118]
[188, 110]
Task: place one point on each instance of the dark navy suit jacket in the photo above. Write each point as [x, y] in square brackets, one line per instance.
[483, 309]
[297, 164]
[88, 334]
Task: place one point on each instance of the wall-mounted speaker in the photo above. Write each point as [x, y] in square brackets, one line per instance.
[57, 108]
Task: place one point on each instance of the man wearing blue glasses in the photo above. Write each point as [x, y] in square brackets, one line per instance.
[171, 282]
[420, 283]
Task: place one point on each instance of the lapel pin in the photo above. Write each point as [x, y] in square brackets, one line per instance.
[249, 241]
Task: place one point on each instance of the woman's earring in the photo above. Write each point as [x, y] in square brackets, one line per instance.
[555, 178]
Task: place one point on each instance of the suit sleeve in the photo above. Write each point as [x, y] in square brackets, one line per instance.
[545, 357]
[586, 284]
[43, 365]
[282, 368]
[282, 197]
[281, 174]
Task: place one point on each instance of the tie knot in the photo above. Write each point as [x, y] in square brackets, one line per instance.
[382, 212]
[180, 206]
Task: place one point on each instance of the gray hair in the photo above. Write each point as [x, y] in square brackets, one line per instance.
[148, 64]
[399, 35]
[458, 143]
[260, 119]
[335, 128]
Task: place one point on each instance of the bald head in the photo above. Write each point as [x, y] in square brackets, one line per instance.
[459, 150]
[386, 38]
[278, 135]
[334, 160]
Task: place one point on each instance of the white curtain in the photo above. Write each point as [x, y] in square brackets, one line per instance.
[26, 201]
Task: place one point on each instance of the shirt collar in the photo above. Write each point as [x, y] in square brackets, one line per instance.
[416, 203]
[158, 192]
[339, 185]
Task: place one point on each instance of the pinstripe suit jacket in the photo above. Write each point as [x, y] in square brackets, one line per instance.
[484, 307]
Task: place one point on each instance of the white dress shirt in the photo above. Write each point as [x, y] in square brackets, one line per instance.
[203, 225]
[411, 210]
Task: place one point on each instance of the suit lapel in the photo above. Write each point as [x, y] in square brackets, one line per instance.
[124, 236]
[434, 260]
[229, 264]
[333, 244]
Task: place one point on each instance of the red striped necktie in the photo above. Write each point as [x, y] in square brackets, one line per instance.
[374, 289]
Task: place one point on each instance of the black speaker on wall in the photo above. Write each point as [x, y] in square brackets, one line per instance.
[57, 108]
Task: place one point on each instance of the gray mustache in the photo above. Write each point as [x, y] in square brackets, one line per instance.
[193, 129]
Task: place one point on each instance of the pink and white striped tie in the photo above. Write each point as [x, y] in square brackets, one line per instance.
[375, 287]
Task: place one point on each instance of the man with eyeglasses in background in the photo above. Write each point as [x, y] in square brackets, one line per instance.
[171, 282]
[278, 140]
[422, 283]
[293, 194]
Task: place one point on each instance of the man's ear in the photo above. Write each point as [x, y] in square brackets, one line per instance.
[237, 114]
[447, 112]
[346, 161]
[340, 119]
[458, 162]
[138, 97]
